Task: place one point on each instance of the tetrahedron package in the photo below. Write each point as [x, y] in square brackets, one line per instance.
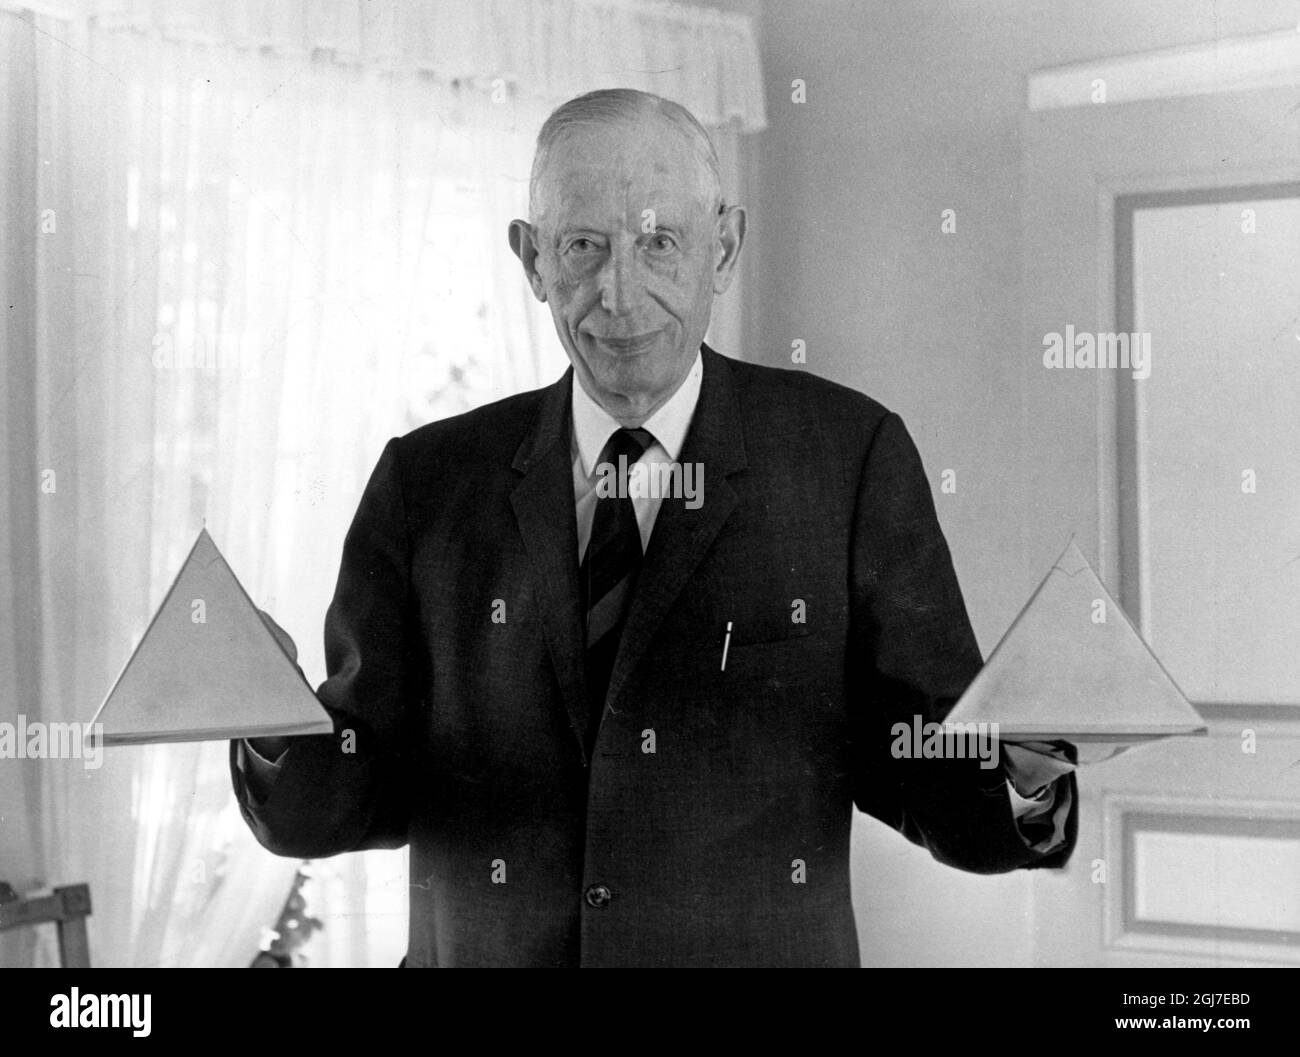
[1073, 667]
[208, 668]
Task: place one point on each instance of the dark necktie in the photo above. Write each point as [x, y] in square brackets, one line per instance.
[609, 571]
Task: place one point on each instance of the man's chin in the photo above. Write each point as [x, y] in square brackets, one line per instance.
[627, 388]
[627, 391]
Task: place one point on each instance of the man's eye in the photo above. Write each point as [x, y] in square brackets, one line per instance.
[661, 243]
[581, 245]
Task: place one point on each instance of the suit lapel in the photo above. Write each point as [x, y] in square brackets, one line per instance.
[544, 509]
[682, 536]
[543, 499]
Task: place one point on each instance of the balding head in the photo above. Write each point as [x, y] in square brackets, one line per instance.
[641, 114]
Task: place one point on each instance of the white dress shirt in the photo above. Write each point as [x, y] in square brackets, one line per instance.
[592, 427]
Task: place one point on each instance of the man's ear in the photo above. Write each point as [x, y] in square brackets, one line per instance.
[731, 237]
[523, 241]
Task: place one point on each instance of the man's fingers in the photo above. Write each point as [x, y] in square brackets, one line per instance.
[1058, 750]
[1030, 769]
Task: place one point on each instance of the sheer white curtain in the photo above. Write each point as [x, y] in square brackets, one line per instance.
[234, 268]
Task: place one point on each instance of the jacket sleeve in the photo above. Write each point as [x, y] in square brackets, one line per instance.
[912, 655]
[348, 791]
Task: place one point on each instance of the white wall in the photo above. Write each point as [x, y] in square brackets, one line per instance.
[913, 108]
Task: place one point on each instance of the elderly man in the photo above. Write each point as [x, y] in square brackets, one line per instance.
[622, 723]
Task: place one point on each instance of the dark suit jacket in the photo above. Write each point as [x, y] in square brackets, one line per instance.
[469, 732]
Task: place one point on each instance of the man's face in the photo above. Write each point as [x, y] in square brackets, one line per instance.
[628, 253]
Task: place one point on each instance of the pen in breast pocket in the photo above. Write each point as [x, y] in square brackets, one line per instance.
[726, 643]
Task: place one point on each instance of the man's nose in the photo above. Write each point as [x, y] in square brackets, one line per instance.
[617, 280]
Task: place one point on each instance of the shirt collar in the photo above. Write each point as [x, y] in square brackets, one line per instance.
[592, 424]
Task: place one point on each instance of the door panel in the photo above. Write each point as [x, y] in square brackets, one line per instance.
[1215, 461]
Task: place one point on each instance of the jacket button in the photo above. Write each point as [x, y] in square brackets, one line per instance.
[598, 896]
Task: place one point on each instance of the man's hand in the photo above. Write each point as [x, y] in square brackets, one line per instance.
[1031, 765]
[272, 748]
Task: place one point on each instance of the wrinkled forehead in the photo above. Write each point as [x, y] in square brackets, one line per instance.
[609, 175]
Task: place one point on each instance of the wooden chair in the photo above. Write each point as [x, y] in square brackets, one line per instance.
[67, 907]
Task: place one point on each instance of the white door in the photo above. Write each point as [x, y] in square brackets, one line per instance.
[1178, 219]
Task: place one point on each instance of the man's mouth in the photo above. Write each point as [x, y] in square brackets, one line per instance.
[627, 345]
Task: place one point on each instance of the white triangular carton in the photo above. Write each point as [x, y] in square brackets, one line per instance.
[208, 668]
[1060, 672]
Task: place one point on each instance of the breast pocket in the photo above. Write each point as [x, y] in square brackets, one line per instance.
[752, 609]
[766, 625]
[755, 637]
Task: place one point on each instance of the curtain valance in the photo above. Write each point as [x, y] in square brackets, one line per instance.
[548, 50]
